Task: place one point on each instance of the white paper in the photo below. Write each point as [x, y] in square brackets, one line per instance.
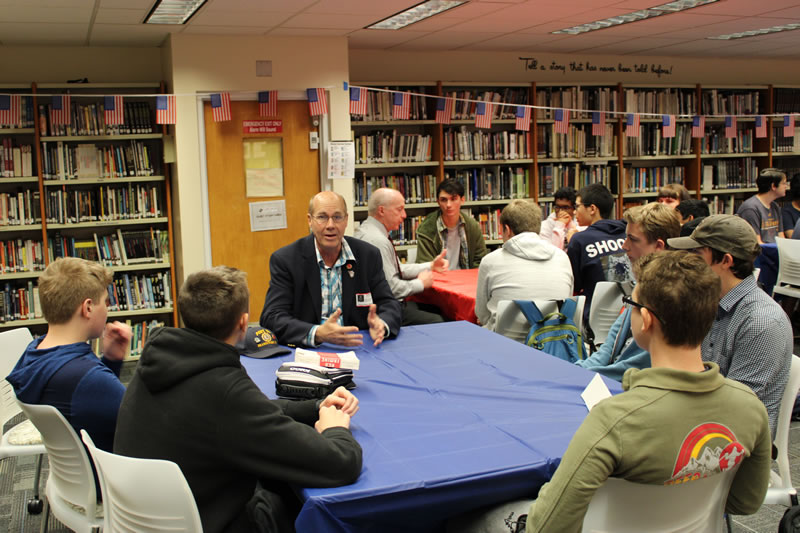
[328, 359]
[341, 160]
[268, 215]
[595, 391]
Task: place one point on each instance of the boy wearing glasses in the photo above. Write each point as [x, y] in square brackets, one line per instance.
[325, 287]
[676, 422]
[751, 339]
[649, 227]
[560, 226]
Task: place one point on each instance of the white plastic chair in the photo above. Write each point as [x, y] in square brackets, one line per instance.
[788, 282]
[625, 507]
[411, 255]
[780, 489]
[511, 322]
[143, 495]
[605, 307]
[23, 439]
[70, 492]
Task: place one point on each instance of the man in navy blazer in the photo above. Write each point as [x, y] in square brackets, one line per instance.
[325, 287]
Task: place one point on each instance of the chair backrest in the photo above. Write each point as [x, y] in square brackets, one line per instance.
[71, 476]
[605, 307]
[625, 507]
[512, 323]
[788, 261]
[781, 484]
[143, 495]
[12, 344]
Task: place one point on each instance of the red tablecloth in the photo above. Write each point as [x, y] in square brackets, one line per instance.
[453, 292]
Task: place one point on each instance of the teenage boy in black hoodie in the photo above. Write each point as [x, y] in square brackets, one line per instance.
[191, 402]
[596, 253]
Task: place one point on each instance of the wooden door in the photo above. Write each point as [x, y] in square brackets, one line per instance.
[232, 242]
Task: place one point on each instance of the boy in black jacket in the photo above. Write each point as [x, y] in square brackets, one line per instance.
[191, 402]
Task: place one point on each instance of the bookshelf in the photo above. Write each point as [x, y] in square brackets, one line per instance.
[97, 191]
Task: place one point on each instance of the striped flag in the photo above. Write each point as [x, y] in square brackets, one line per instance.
[523, 117]
[444, 110]
[10, 109]
[483, 115]
[267, 103]
[698, 126]
[60, 110]
[165, 110]
[113, 111]
[401, 106]
[562, 121]
[598, 123]
[317, 103]
[632, 125]
[788, 126]
[358, 101]
[668, 126]
[221, 106]
[761, 126]
[730, 127]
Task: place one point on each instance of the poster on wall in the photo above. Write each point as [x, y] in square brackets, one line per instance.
[341, 160]
[263, 166]
[266, 216]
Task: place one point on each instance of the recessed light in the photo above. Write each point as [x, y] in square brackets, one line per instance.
[415, 14]
[173, 11]
[753, 33]
[635, 16]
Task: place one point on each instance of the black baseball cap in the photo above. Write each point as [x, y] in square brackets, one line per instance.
[260, 343]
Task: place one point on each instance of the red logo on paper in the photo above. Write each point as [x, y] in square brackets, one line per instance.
[330, 360]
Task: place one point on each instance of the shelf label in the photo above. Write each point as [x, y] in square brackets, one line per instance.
[262, 126]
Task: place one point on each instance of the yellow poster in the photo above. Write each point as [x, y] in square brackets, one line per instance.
[263, 166]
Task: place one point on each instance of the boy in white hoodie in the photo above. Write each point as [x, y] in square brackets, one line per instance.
[526, 266]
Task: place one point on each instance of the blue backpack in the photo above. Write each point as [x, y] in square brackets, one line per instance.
[554, 333]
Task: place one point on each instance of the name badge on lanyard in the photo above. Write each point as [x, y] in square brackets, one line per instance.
[363, 299]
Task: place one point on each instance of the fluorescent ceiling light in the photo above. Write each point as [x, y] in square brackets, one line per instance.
[415, 14]
[634, 16]
[173, 11]
[753, 33]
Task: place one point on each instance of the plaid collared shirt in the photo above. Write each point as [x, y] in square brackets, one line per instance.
[463, 255]
[751, 341]
[330, 281]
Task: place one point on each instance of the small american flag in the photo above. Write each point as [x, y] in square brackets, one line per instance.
[730, 127]
[562, 121]
[668, 126]
[598, 123]
[788, 126]
[358, 101]
[444, 110]
[221, 106]
[698, 126]
[60, 110]
[113, 111]
[761, 126]
[317, 103]
[523, 117]
[632, 125]
[10, 109]
[401, 106]
[267, 103]
[483, 115]
[165, 110]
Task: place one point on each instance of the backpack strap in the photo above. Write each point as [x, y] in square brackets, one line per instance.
[569, 307]
[529, 309]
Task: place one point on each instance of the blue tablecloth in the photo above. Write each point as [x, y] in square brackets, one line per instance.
[451, 417]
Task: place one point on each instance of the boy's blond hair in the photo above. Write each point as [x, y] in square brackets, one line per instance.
[212, 301]
[66, 283]
[657, 221]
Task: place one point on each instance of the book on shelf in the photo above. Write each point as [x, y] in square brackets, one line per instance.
[21, 255]
[88, 119]
[20, 208]
[415, 188]
[143, 246]
[16, 161]
[666, 101]
[20, 302]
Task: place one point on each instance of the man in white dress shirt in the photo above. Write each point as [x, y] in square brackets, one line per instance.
[387, 212]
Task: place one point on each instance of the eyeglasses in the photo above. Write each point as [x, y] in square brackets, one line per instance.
[323, 219]
[562, 207]
[627, 300]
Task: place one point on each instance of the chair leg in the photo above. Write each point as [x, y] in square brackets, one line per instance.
[35, 503]
[45, 515]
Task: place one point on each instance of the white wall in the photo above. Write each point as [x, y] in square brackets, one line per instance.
[202, 63]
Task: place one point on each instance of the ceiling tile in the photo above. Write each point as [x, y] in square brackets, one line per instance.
[119, 16]
[257, 5]
[126, 4]
[378, 39]
[306, 32]
[381, 9]
[149, 35]
[512, 42]
[450, 40]
[225, 30]
[34, 14]
[353, 22]
[49, 34]
[26, 4]
[262, 19]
